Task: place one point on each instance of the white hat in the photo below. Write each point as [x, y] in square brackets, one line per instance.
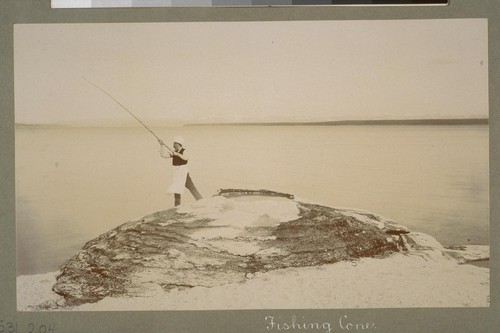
[179, 140]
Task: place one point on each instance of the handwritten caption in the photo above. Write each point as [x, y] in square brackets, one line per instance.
[344, 323]
[14, 327]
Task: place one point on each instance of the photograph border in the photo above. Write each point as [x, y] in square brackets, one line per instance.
[381, 320]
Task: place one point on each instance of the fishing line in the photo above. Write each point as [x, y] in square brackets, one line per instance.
[133, 115]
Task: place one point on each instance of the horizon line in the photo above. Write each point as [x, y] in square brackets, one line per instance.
[418, 121]
[423, 121]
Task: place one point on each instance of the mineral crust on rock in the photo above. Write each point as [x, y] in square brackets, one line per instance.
[220, 240]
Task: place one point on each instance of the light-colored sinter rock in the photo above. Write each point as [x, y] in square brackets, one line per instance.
[224, 239]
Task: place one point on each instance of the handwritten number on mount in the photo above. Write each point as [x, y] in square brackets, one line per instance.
[13, 327]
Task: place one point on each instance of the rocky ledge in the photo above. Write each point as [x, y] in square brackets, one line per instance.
[227, 239]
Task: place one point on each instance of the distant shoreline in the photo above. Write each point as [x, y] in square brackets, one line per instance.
[413, 122]
[390, 122]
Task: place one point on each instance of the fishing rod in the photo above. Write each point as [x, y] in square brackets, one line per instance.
[133, 115]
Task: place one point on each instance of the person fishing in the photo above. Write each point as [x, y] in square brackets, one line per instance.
[180, 178]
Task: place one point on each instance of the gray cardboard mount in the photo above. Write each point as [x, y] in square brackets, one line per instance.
[386, 320]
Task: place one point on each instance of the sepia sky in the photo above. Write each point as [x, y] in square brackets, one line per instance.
[174, 73]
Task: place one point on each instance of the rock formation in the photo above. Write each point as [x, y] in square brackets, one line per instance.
[220, 240]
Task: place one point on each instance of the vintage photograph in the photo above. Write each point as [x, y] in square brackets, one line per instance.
[252, 165]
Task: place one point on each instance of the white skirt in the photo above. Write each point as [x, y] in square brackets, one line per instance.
[179, 177]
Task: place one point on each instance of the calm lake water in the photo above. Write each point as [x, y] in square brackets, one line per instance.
[73, 184]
